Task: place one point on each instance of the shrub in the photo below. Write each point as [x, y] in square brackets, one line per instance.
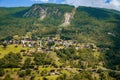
[1, 72]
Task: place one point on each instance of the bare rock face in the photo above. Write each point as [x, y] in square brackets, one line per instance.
[49, 13]
[43, 13]
[68, 17]
[36, 11]
[40, 10]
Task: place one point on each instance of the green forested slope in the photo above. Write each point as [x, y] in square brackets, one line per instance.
[12, 24]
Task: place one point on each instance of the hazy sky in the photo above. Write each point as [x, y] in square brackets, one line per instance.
[111, 4]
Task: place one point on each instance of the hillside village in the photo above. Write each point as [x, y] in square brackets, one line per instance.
[47, 44]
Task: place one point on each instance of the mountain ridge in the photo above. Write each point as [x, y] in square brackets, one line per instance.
[56, 15]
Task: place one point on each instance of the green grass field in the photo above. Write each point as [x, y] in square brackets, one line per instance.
[10, 48]
[48, 77]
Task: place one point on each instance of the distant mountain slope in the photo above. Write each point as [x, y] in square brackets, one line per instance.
[50, 14]
[96, 23]
[88, 22]
[12, 23]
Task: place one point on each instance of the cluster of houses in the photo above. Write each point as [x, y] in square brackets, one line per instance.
[56, 44]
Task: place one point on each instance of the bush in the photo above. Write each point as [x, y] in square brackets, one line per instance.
[116, 75]
[28, 71]
[11, 60]
[32, 78]
[7, 77]
[44, 78]
[21, 73]
[1, 72]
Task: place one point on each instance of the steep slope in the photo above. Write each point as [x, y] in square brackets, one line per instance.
[84, 22]
[50, 14]
[96, 24]
[12, 22]
[102, 27]
[68, 17]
